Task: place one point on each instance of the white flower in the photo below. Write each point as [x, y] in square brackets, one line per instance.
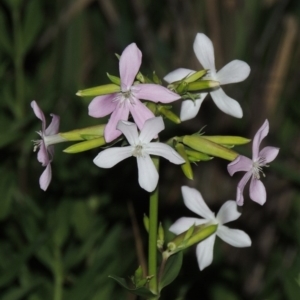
[228, 212]
[141, 148]
[235, 71]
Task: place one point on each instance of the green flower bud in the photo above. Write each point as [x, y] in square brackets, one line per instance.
[168, 114]
[227, 140]
[138, 275]
[86, 145]
[99, 90]
[195, 76]
[197, 156]
[114, 79]
[186, 167]
[202, 85]
[156, 79]
[83, 134]
[201, 144]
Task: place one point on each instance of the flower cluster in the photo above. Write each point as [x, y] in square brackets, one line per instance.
[130, 96]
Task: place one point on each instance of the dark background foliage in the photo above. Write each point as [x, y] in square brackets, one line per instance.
[63, 243]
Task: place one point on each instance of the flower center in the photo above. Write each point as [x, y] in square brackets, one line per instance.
[138, 151]
[257, 167]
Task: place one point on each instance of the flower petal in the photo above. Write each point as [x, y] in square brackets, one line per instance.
[165, 151]
[45, 178]
[148, 175]
[228, 212]
[235, 71]
[102, 106]
[151, 128]
[205, 252]
[155, 93]
[39, 114]
[189, 108]
[259, 136]
[193, 201]
[234, 237]
[204, 51]
[140, 113]
[42, 155]
[129, 65]
[240, 188]
[241, 163]
[110, 131]
[110, 157]
[269, 153]
[257, 191]
[129, 129]
[226, 104]
[53, 128]
[184, 223]
[178, 74]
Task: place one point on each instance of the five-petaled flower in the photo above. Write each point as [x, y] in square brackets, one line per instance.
[228, 212]
[141, 148]
[49, 137]
[253, 168]
[233, 72]
[128, 99]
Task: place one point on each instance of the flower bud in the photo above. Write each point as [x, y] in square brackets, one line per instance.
[86, 145]
[114, 79]
[227, 140]
[195, 156]
[186, 167]
[202, 85]
[201, 144]
[168, 114]
[195, 76]
[99, 90]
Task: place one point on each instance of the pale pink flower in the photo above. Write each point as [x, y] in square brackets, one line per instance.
[254, 167]
[141, 148]
[128, 99]
[228, 212]
[233, 72]
[49, 137]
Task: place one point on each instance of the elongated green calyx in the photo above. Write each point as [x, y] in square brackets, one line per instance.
[195, 156]
[165, 111]
[160, 237]
[87, 133]
[194, 235]
[86, 145]
[99, 90]
[199, 143]
[202, 85]
[114, 79]
[227, 140]
[186, 167]
[195, 76]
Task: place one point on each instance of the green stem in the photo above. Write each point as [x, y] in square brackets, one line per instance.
[58, 275]
[153, 225]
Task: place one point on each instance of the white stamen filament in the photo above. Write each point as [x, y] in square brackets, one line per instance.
[257, 167]
[47, 140]
[138, 151]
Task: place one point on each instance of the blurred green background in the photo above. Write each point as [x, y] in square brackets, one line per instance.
[63, 243]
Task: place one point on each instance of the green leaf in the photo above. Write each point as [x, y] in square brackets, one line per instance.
[172, 268]
[140, 291]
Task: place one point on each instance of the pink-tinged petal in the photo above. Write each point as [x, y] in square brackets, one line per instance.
[140, 113]
[269, 153]
[112, 156]
[129, 129]
[205, 252]
[50, 150]
[241, 163]
[235, 71]
[129, 65]
[189, 108]
[46, 178]
[110, 131]
[151, 129]
[148, 175]
[184, 223]
[165, 151]
[234, 237]
[257, 191]
[226, 104]
[53, 128]
[102, 106]
[39, 114]
[228, 212]
[193, 201]
[42, 155]
[178, 74]
[240, 188]
[155, 93]
[204, 51]
[259, 136]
